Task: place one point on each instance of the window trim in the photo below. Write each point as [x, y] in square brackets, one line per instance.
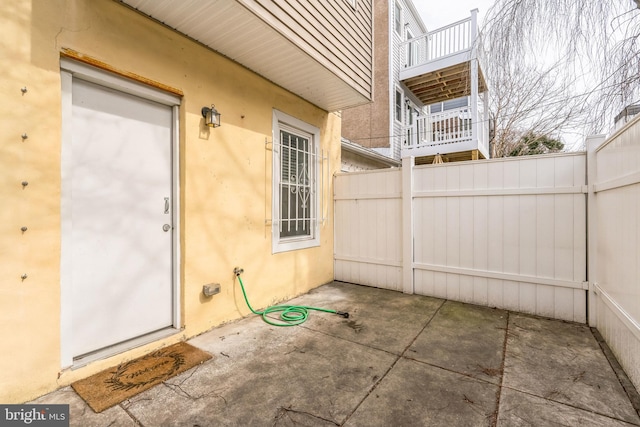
[283, 121]
[397, 18]
[398, 107]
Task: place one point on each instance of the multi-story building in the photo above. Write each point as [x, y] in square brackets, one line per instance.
[430, 94]
[125, 191]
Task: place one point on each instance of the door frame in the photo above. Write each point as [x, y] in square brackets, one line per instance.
[70, 69]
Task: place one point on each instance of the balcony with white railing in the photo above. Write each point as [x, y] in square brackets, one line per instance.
[452, 132]
[443, 64]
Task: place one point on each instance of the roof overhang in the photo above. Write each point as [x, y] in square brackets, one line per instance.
[368, 153]
[234, 31]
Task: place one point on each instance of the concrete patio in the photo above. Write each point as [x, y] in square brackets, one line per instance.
[399, 360]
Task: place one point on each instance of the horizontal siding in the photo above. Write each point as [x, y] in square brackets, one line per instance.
[325, 56]
[332, 32]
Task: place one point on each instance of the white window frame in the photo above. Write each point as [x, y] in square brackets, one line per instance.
[398, 108]
[397, 18]
[284, 122]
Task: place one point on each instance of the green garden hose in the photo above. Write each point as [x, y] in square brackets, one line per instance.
[290, 315]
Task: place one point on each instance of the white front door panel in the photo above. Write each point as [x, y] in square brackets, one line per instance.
[121, 256]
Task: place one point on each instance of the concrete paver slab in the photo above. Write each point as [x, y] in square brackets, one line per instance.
[378, 318]
[80, 414]
[263, 375]
[521, 409]
[416, 394]
[563, 362]
[398, 360]
[464, 338]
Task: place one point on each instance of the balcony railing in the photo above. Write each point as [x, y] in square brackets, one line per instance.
[446, 41]
[446, 132]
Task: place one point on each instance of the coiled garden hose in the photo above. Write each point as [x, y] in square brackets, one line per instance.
[290, 315]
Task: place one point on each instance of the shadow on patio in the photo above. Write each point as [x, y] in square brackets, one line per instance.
[403, 360]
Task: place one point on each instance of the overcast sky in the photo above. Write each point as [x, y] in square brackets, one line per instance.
[438, 13]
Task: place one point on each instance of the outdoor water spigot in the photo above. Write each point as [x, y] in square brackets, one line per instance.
[238, 271]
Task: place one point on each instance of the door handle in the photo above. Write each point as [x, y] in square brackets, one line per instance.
[166, 205]
[166, 227]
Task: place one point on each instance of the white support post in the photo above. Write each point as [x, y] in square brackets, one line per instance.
[408, 164]
[486, 123]
[473, 36]
[475, 125]
[592, 143]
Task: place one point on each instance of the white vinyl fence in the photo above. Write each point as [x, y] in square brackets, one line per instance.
[507, 233]
[368, 229]
[614, 243]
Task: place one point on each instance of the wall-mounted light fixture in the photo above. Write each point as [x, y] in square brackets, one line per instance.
[211, 116]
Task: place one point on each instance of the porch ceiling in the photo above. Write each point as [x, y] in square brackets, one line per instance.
[232, 30]
[443, 84]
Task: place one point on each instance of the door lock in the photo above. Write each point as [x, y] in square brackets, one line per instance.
[166, 227]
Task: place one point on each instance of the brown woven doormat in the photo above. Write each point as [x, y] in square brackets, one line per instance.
[112, 386]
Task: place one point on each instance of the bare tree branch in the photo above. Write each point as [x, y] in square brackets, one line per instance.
[559, 66]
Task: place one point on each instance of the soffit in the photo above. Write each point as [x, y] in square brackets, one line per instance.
[232, 30]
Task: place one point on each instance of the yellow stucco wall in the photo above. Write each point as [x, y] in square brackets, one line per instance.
[225, 179]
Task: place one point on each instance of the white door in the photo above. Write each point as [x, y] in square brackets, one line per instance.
[120, 245]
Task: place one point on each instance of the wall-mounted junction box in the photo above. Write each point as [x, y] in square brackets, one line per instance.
[211, 289]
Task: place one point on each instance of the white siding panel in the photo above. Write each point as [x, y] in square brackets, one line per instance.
[480, 236]
[624, 343]
[495, 234]
[527, 298]
[546, 248]
[511, 234]
[480, 291]
[453, 287]
[617, 281]
[495, 293]
[439, 231]
[545, 301]
[563, 238]
[511, 295]
[440, 285]
[466, 226]
[579, 238]
[467, 292]
[529, 234]
[367, 246]
[618, 213]
[563, 303]
[322, 55]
